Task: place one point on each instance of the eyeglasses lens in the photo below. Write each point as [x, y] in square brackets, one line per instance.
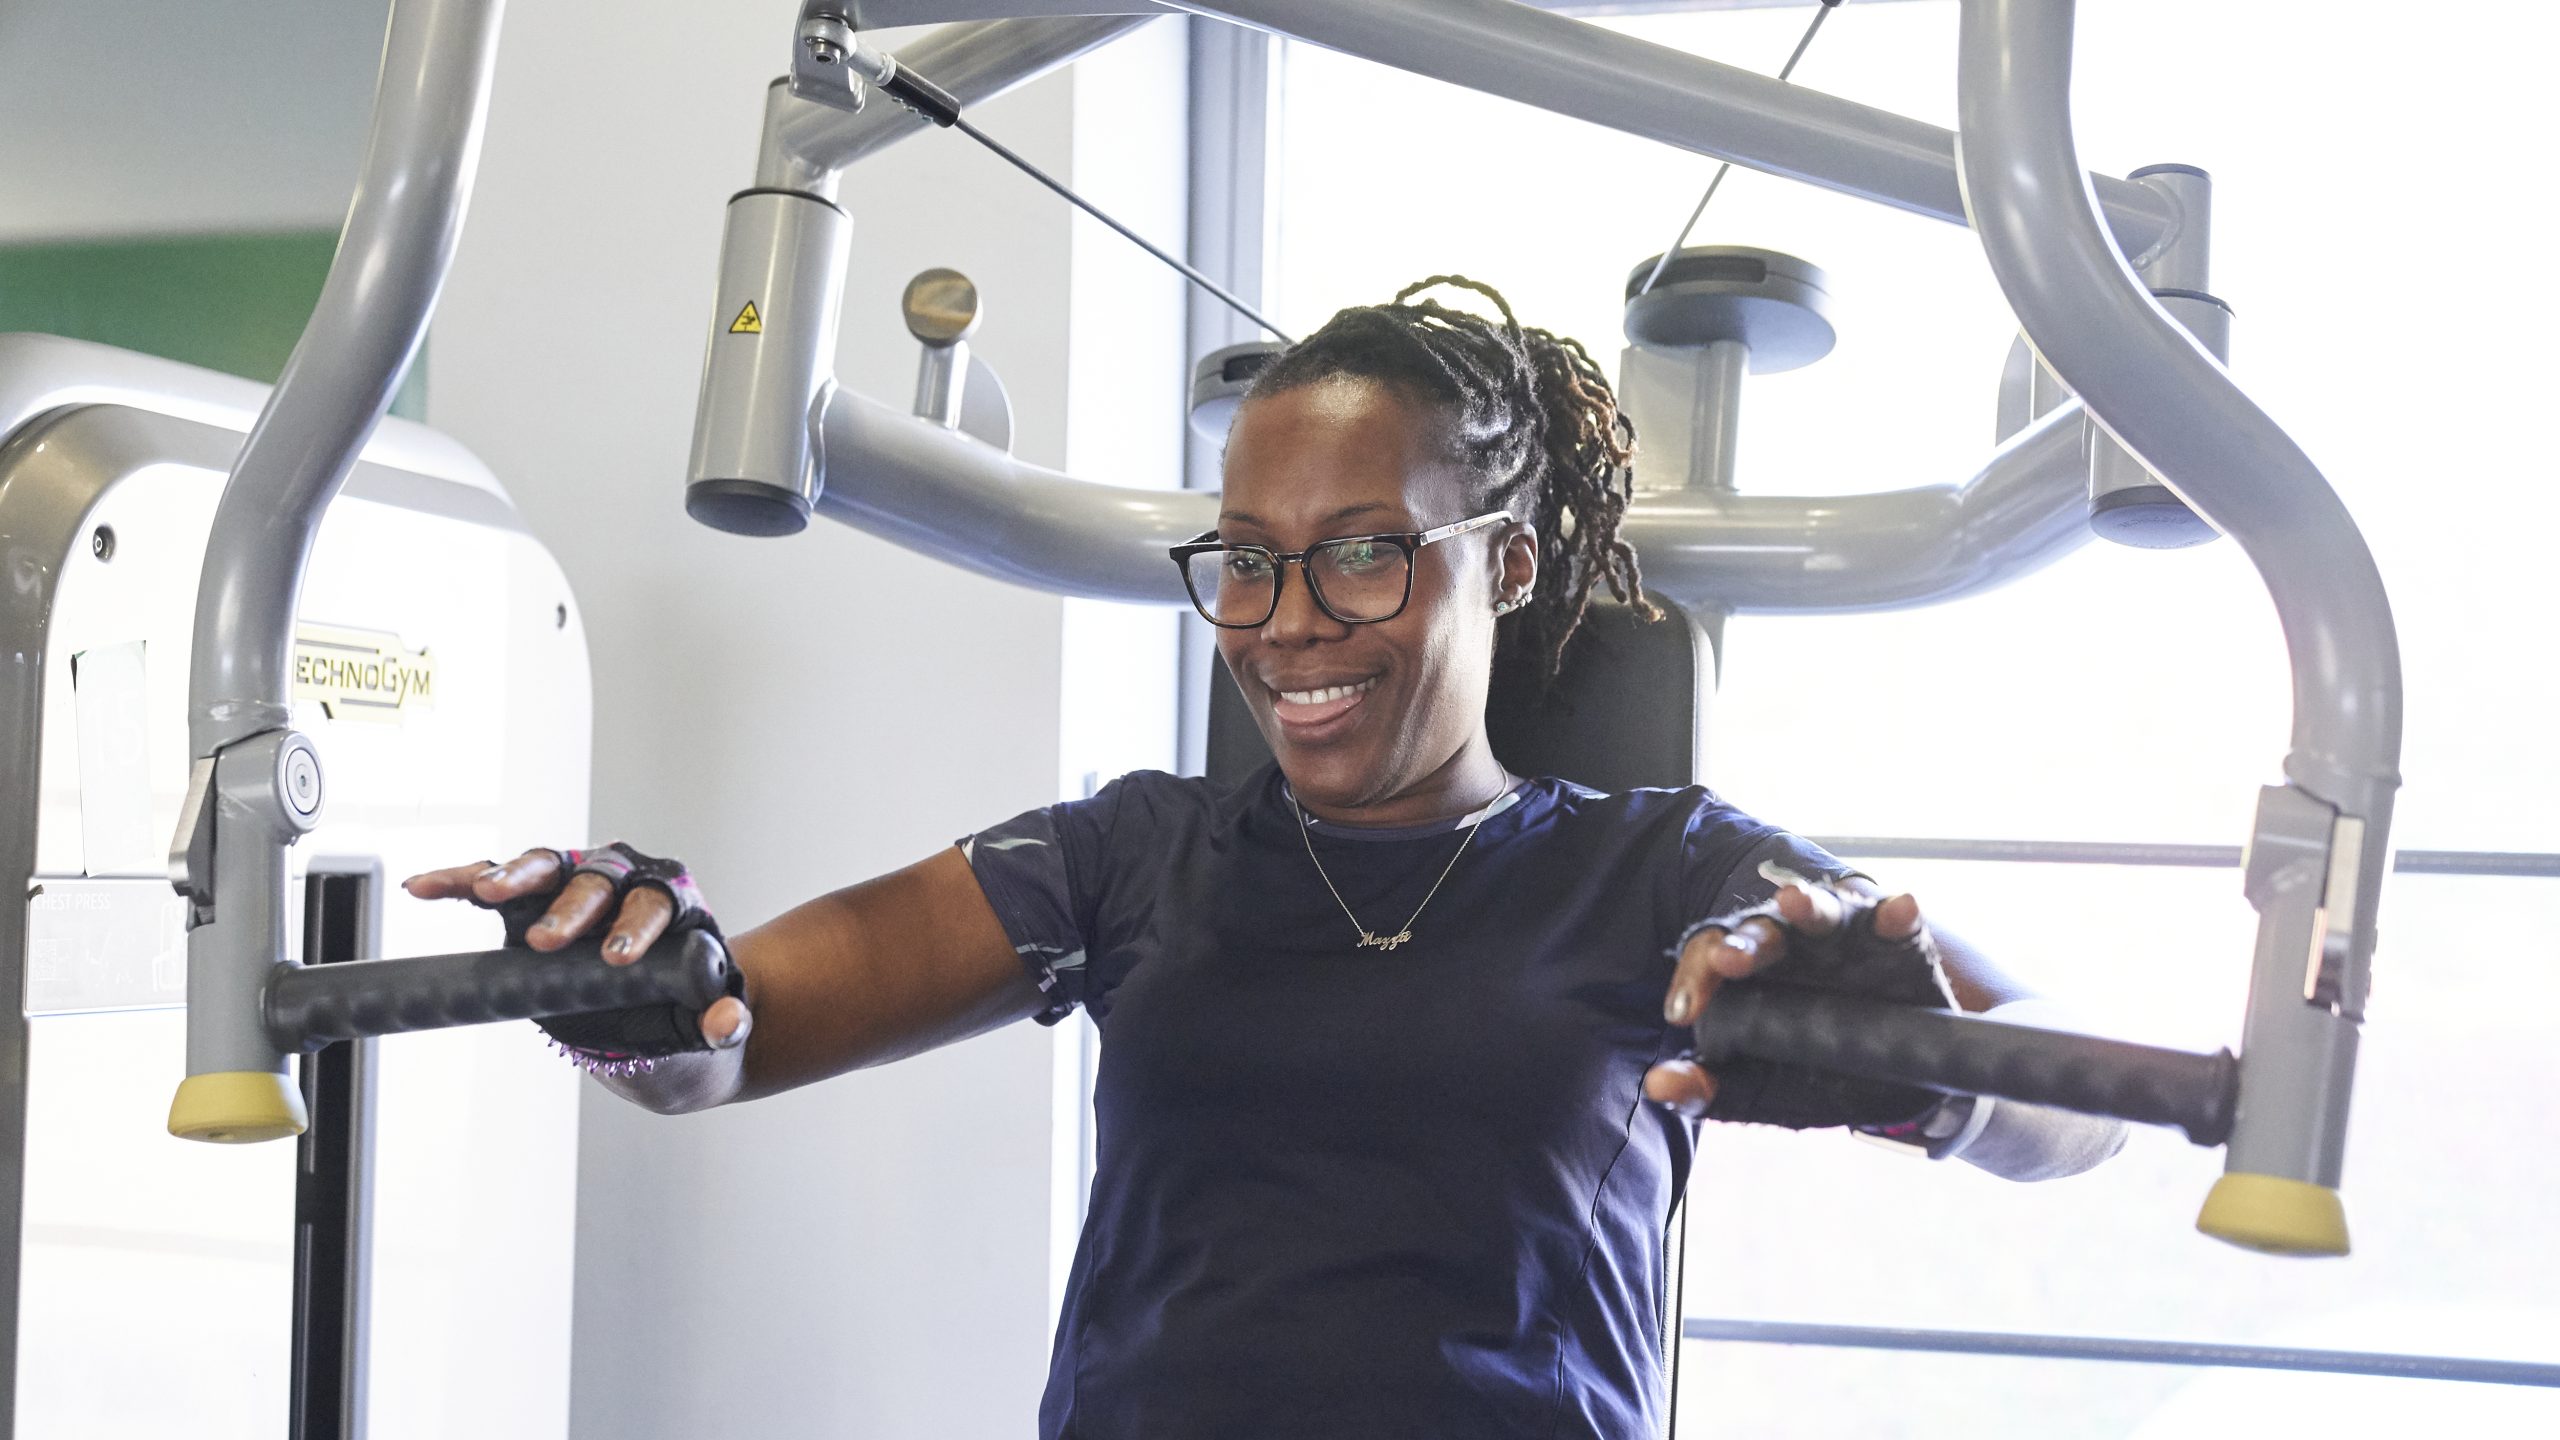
[1232, 587]
[1359, 580]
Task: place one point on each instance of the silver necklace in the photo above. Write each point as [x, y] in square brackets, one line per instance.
[1370, 939]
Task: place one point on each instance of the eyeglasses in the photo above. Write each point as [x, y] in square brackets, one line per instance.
[1356, 579]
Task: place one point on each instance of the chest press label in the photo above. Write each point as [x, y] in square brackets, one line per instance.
[361, 674]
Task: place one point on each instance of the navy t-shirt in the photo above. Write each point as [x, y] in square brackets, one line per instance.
[1355, 1193]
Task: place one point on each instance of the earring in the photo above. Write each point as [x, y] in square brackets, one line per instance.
[1506, 605]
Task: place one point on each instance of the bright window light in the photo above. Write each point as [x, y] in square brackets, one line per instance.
[2382, 246]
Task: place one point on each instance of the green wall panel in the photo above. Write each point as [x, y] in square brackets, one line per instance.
[234, 303]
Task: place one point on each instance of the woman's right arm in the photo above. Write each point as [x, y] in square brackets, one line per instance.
[876, 972]
[871, 973]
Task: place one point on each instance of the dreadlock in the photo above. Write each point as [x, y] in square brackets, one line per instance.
[1529, 415]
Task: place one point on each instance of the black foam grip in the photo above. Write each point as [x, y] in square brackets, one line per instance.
[1967, 1055]
[310, 1005]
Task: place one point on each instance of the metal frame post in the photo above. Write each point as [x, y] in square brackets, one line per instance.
[1232, 79]
[256, 785]
[2318, 853]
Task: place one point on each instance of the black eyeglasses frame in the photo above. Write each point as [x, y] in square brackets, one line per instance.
[1410, 542]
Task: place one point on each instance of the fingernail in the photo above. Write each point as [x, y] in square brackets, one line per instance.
[737, 1035]
[1677, 1009]
[492, 870]
[617, 947]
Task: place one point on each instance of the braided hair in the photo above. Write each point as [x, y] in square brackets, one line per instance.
[1529, 416]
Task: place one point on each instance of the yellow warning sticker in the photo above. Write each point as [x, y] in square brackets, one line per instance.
[748, 321]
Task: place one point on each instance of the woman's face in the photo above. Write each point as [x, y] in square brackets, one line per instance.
[1352, 457]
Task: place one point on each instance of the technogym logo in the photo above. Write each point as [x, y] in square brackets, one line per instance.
[360, 674]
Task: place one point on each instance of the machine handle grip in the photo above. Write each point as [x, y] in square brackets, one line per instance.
[307, 1006]
[1967, 1055]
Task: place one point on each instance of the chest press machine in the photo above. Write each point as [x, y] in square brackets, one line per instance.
[2081, 260]
[2118, 421]
[2118, 418]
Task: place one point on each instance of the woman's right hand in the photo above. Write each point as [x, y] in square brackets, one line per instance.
[581, 906]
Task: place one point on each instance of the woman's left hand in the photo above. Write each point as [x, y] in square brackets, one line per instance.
[1715, 955]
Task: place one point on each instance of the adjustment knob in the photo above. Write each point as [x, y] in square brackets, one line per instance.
[298, 781]
[941, 306]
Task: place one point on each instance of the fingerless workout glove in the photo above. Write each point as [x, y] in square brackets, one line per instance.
[1853, 959]
[624, 1041]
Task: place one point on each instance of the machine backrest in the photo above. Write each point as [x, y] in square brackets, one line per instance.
[1625, 713]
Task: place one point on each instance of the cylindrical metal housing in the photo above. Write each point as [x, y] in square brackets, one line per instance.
[770, 364]
[257, 819]
[2182, 260]
[2127, 503]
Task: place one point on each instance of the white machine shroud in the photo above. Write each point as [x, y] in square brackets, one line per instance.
[156, 1273]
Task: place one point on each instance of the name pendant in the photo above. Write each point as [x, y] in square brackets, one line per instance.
[1370, 938]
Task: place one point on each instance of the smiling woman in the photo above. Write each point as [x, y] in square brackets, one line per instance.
[1408, 416]
[1375, 1154]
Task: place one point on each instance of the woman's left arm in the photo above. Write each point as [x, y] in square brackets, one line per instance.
[2012, 1140]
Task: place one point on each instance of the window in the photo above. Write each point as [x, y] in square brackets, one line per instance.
[2121, 696]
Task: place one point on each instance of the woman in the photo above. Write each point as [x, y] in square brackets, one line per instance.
[1375, 1157]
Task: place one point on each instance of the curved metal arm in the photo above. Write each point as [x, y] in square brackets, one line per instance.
[806, 144]
[758, 467]
[2317, 857]
[1575, 68]
[372, 312]
[255, 787]
[2154, 387]
[941, 493]
[2026, 508]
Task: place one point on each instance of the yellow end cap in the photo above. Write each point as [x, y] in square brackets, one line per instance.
[237, 1107]
[2275, 1215]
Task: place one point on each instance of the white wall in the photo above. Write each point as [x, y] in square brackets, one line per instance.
[159, 116]
[870, 1257]
[1128, 389]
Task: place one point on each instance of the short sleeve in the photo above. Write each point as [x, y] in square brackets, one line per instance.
[1730, 862]
[1030, 867]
